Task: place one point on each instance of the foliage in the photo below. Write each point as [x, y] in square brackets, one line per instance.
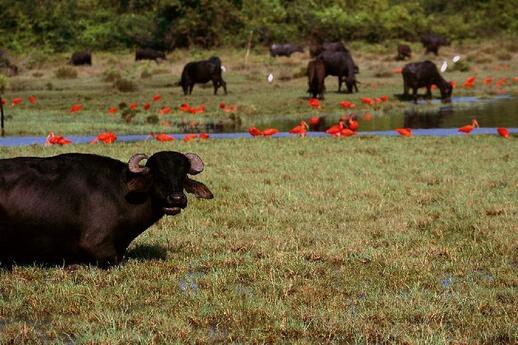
[66, 25]
[66, 73]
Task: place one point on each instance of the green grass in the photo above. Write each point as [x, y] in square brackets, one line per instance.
[258, 101]
[363, 240]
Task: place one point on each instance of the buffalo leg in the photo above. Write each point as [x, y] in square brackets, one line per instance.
[429, 91]
[340, 81]
[415, 95]
[216, 85]
[191, 86]
[224, 84]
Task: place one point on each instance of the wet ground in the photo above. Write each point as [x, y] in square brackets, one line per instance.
[491, 113]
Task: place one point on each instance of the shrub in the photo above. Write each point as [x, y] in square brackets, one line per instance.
[152, 119]
[125, 85]
[66, 73]
[111, 75]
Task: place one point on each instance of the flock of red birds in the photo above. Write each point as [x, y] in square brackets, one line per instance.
[347, 126]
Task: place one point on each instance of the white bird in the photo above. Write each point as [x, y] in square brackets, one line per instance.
[223, 68]
[456, 58]
[444, 66]
[270, 78]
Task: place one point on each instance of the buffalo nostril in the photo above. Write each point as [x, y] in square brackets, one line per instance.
[177, 199]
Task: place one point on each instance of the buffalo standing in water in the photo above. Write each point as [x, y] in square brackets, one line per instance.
[425, 74]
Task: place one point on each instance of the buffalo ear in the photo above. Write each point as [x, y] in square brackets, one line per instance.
[198, 189]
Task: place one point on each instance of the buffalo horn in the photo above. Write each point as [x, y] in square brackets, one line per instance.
[196, 163]
[134, 166]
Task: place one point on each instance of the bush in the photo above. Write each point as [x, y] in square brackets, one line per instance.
[125, 85]
[111, 75]
[66, 73]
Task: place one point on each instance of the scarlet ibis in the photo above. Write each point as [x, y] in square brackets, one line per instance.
[347, 104]
[301, 129]
[189, 137]
[156, 98]
[185, 107]
[335, 129]
[32, 99]
[470, 82]
[384, 98]
[146, 106]
[204, 135]
[346, 132]
[488, 81]
[352, 124]
[453, 84]
[53, 139]
[165, 110]
[75, 108]
[222, 105]
[314, 120]
[105, 137]
[367, 117]
[503, 132]
[405, 132]
[468, 128]
[16, 101]
[268, 132]
[367, 100]
[133, 106]
[162, 137]
[254, 132]
[112, 110]
[314, 103]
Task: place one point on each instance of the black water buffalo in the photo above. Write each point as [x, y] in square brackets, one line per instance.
[81, 58]
[284, 49]
[318, 49]
[341, 64]
[316, 76]
[425, 74]
[149, 54]
[403, 52]
[88, 208]
[432, 42]
[200, 72]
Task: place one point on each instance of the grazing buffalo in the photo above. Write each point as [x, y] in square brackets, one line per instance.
[432, 42]
[316, 76]
[88, 208]
[200, 72]
[403, 52]
[425, 74]
[284, 49]
[149, 54]
[341, 64]
[81, 58]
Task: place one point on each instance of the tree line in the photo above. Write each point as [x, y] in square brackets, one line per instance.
[65, 25]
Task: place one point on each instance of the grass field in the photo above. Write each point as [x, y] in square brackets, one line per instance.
[363, 241]
[58, 86]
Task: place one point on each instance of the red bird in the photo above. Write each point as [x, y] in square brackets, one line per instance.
[453, 84]
[16, 101]
[112, 110]
[470, 82]
[133, 106]
[146, 106]
[189, 137]
[352, 124]
[405, 132]
[301, 129]
[346, 132]
[268, 132]
[56, 139]
[162, 137]
[314, 120]
[165, 110]
[503, 132]
[314, 103]
[468, 128]
[185, 107]
[75, 108]
[347, 104]
[204, 136]
[254, 132]
[199, 109]
[488, 81]
[32, 99]
[384, 98]
[367, 100]
[222, 105]
[367, 117]
[156, 98]
[230, 108]
[105, 137]
[335, 129]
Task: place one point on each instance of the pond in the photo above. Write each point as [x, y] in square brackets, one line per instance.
[491, 113]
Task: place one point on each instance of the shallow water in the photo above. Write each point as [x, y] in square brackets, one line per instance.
[491, 113]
